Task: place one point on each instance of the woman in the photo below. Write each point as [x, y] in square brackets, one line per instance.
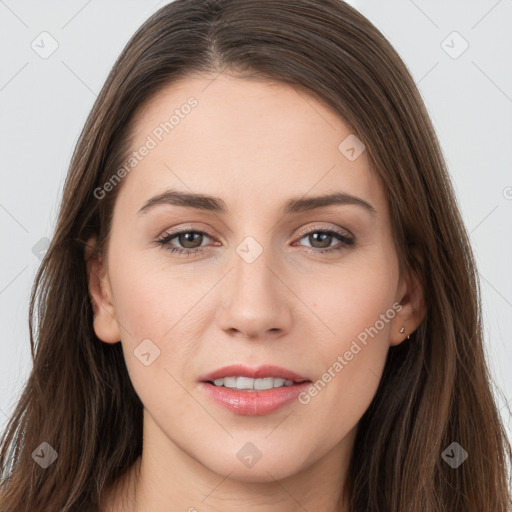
[260, 293]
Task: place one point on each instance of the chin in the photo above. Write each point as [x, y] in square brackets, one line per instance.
[268, 468]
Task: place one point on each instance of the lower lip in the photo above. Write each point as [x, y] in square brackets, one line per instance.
[254, 403]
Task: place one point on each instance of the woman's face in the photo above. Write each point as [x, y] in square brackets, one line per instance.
[269, 286]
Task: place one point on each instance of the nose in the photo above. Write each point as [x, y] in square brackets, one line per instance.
[255, 299]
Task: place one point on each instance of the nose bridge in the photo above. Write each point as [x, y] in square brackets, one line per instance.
[253, 301]
[251, 273]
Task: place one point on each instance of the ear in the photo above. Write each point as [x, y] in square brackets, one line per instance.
[106, 326]
[411, 297]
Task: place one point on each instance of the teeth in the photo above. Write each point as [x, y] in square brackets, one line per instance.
[230, 382]
[246, 383]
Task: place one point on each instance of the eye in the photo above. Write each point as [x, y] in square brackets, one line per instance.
[320, 240]
[189, 239]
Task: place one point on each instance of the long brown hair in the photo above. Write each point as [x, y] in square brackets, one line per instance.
[436, 388]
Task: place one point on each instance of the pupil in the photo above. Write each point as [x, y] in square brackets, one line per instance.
[327, 238]
[185, 238]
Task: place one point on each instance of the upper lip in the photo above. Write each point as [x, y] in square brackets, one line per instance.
[266, 370]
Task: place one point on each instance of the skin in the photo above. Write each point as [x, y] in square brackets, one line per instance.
[255, 145]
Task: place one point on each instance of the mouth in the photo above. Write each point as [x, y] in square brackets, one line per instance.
[241, 383]
[253, 391]
[245, 378]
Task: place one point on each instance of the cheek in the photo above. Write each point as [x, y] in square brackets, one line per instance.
[157, 308]
[348, 300]
[155, 305]
[352, 340]
[151, 298]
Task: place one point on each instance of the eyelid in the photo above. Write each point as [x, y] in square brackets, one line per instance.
[169, 234]
[340, 231]
[303, 231]
[186, 229]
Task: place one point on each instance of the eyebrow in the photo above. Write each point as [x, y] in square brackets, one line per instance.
[217, 205]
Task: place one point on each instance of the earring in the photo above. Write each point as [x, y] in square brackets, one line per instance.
[402, 330]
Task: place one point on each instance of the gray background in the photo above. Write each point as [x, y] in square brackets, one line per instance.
[44, 103]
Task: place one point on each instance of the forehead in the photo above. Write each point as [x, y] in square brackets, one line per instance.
[247, 141]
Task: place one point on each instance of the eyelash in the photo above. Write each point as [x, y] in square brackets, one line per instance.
[346, 241]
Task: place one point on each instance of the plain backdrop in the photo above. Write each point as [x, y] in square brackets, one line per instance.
[459, 53]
